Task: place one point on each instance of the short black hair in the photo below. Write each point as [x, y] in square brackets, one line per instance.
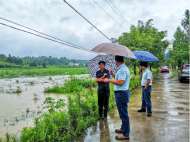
[102, 62]
[145, 64]
[120, 59]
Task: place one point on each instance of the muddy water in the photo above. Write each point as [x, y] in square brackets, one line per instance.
[13, 115]
[169, 121]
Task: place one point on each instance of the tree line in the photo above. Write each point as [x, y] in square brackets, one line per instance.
[8, 61]
[144, 37]
[180, 53]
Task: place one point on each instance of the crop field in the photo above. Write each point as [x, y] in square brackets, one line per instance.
[51, 71]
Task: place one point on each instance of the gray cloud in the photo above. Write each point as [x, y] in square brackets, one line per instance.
[58, 19]
[62, 19]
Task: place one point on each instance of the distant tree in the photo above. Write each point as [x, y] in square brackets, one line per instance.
[44, 64]
[180, 53]
[20, 61]
[32, 64]
[9, 59]
[2, 57]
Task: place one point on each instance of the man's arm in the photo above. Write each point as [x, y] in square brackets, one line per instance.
[100, 79]
[149, 77]
[115, 82]
[121, 78]
[140, 72]
[147, 83]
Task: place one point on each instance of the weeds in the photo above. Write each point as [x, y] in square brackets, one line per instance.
[31, 82]
[52, 105]
[9, 85]
[71, 85]
[17, 81]
[9, 138]
[27, 110]
[18, 90]
[50, 78]
[35, 97]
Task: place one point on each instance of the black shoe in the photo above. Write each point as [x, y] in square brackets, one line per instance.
[141, 110]
[104, 118]
[149, 114]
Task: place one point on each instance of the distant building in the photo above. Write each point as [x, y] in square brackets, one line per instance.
[170, 47]
[71, 63]
[76, 64]
[84, 65]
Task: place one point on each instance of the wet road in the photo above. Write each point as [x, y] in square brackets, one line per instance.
[169, 121]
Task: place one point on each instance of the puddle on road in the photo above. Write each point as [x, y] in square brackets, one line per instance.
[13, 107]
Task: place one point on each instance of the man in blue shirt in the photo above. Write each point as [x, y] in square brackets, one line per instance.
[146, 83]
[122, 95]
[103, 89]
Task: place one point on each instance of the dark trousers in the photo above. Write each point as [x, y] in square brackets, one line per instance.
[122, 99]
[146, 99]
[103, 99]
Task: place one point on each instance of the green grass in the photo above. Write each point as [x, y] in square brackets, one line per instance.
[71, 85]
[50, 71]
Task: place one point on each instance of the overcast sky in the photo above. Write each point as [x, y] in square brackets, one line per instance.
[56, 18]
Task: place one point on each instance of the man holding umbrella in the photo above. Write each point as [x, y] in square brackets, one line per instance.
[122, 95]
[103, 89]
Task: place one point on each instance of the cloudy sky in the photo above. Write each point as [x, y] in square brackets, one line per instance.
[56, 18]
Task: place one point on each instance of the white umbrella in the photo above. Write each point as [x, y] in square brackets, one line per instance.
[114, 49]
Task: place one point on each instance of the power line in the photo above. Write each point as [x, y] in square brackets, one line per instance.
[84, 49]
[40, 32]
[86, 19]
[109, 14]
[116, 12]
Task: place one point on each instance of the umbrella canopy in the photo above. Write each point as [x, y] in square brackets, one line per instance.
[144, 56]
[114, 49]
[93, 66]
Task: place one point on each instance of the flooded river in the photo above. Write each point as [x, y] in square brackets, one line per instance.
[169, 121]
[18, 110]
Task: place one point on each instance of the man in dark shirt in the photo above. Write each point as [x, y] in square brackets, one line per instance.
[103, 89]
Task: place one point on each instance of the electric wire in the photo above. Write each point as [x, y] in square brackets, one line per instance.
[86, 19]
[84, 49]
[108, 13]
[116, 12]
[39, 32]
